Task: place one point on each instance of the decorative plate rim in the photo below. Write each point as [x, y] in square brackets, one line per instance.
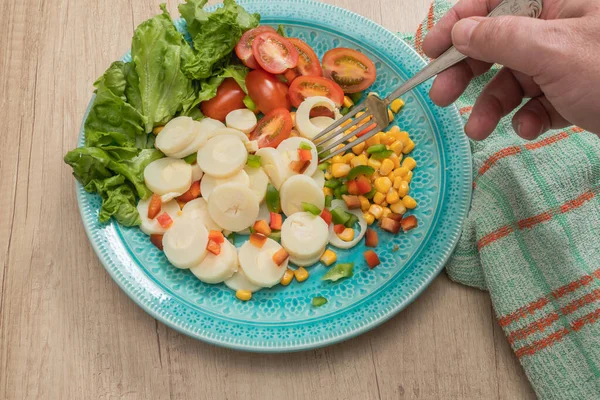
[391, 310]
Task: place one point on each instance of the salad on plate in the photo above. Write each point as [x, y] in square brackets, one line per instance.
[205, 143]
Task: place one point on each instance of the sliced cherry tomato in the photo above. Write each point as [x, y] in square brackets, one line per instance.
[275, 54]
[311, 86]
[273, 129]
[308, 62]
[244, 46]
[290, 75]
[350, 69]
[154, 206]
[267, 92]
[230, 96]
[369, 128]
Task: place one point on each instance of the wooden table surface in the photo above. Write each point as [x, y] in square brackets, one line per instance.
[68, 332]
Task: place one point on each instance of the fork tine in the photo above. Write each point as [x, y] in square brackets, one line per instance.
[333, 134]
[340, 121]
[348, 146]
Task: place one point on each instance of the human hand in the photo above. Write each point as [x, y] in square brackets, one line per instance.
[554, 61]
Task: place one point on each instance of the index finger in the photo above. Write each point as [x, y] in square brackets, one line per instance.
[439, 39]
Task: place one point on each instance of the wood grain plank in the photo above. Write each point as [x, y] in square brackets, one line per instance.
[66, 329]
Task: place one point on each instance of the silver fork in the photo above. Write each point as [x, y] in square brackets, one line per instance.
[376, 108]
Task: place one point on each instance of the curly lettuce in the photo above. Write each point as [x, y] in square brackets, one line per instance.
[214, 34]
[117, 175]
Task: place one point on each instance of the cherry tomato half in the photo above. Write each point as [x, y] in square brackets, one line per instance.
[311, 86]
[267, 92]
[244, 46]
[230, 96]
[308, 62]
[350, 69]
[273, 128]
[321, 111]
[275, 54]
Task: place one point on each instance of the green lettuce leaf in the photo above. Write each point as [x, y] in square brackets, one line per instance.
[158, 51]
[117, 175]
[215, 34]
[113, 121]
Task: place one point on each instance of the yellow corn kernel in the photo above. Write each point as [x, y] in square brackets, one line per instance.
[379, 198]
[372, 141]
[293, 115]
[397, 105]
[394, 132]
[157, 130]
[348, 122]
[301, 274]
[403, 137]
[403, 189]
[328, 175]
[395, 159]
[339, 170]
[376, 210]
[409, 163]
[397, 147]
[409, 202]
[350, 130]
[376, 164]
[369, 218]
[402, 171]
[390, 116]
[327, 191]
[348, 157]
[359, 114]
[347, 235]
[287, 277]
[337, 159]
[339, 146]
[360, 160]
[348, 102]
[391, 176]
[408, 177]
[359, 148]
[375, 176]
[386, 212]
[243, 295]
[352, 139]
[363, 159]
[388, 140]
[397, 182]
[364, 203]
[383, 184]
[387, 166]
[294, 133]
[408, 146]
[398, 208]
[392, 197]
[329, 257]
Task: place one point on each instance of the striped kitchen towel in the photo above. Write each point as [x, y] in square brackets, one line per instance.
[532, 239]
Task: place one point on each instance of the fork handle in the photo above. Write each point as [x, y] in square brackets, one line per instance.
[522, 8]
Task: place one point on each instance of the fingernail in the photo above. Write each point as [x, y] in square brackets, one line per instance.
[462, 31]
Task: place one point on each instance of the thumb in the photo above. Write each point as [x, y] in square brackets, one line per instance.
[519, 43]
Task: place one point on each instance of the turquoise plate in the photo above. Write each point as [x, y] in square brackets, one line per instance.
[282, 319]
